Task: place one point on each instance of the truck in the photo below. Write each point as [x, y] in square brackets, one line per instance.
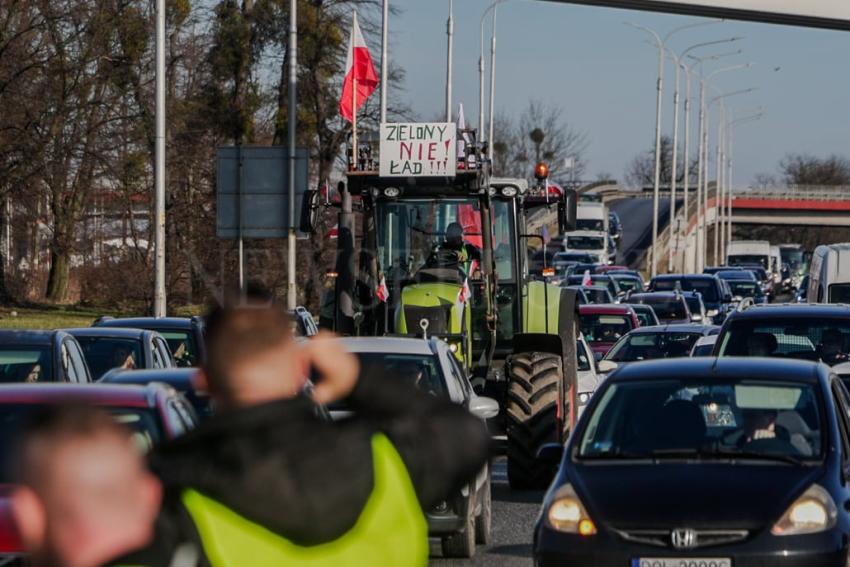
[593, 242]
[514, 334]
[749, 252]
[829, 275]
[592, 216]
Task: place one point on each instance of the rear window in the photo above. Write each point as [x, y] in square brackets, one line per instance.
[806, 338]
[597, 225]
[586, 242]
[182, 346]
[667, 308]
[706, 287]
[604, 328]
[26, 364]
[649, 346]
[105, 353]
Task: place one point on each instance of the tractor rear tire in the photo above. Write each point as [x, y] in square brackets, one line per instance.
[532, 404]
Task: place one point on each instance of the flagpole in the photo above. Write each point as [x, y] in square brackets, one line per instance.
[354, 158]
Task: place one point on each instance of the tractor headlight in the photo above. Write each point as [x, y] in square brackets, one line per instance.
[453, 347]
[811, 513]
[392, 192]
[509, 191]
[566, 513]
[583, 398]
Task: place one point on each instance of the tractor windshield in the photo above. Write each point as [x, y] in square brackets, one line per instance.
[412, 233]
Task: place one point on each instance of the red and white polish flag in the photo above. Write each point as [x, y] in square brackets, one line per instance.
[586, 281]
[464, 293]
[358, 66]
[382, 293]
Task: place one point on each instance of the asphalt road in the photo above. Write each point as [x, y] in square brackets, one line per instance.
[514, 513]
[636, 216]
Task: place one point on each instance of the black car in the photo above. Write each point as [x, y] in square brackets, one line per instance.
[108, 348]
[645, 314]
[662, 341]
[819, 332]
[594, 294]
[703, 462]
[669, 307]
[715, 295]
[178, 378]
[41, 356]
[184, 335]
[598, 279]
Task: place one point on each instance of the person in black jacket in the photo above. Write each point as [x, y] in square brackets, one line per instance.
[269, 482]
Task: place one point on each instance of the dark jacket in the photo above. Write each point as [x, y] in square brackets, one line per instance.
[307, 479]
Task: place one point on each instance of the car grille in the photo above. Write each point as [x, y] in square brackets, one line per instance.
[437, 317]
[664, 538]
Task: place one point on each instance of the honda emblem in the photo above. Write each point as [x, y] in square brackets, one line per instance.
[683, 538]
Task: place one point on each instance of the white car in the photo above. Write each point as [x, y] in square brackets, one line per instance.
[588, 378]
[463, 520]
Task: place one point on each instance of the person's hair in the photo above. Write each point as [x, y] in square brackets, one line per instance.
[246, 325]
[49, 428]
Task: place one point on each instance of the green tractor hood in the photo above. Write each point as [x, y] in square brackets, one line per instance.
[433, 309]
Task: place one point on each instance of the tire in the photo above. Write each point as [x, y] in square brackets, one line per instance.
[483, 521]
[462, 543]
[532, 404]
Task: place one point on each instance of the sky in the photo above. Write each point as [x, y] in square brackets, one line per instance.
[603, 74]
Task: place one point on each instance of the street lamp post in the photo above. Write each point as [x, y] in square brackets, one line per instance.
[450, 26]
[730, 148]
[702, 169]
[659, 97]
[490, 8]
[677, 58]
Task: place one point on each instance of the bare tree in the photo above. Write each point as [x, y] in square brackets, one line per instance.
[641, 170]
[804, 169]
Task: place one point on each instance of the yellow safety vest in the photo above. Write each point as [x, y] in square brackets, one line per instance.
[391, 529]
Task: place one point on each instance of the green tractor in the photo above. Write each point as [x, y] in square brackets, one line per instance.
[450, 257]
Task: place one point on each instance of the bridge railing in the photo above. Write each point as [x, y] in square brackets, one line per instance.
[797, 192]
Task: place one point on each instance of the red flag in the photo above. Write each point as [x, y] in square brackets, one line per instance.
[358, 66]
[586, 281]
[382, 293]
[463, 294]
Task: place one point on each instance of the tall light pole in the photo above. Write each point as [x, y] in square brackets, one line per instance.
[489, 9]
[718, 198]
[385, 39]
[492, 86]
[291, 299]
[659, 97]
[730, 131]
[159, 303]
[449, 33]
[702, 170]
[677, 59]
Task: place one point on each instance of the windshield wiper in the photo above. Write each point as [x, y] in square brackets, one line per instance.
[757, 456]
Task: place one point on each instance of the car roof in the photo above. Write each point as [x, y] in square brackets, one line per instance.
[148, 322]
[785, 310]
[97, 394]
[685, 277]
[723, 367]
[116, 332]
[675, 328]
[27, 337]
[395, 345]
[605, 309]
[658, 294]
[180, 378]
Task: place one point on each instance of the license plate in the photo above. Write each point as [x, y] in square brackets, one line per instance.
[682, 562]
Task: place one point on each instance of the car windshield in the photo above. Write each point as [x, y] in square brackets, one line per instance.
[666, 308]
[703, 350]
[590, 224]
[647, 346]
[706, 287]
[144, 424]
[421, 370]
[598, 295]
[26, 364]
[808, 338]
[745, 289]
[744, 259]
[105, 353]
[604, 328]
[839, 293]
[687, 418]
[586, 242]
[793, 257]
[182, 346]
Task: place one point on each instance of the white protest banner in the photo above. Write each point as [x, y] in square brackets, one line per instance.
[418, 149]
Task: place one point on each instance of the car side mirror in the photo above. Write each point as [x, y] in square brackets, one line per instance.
[550, 453]
[606, 366]
[483, 407]
[309, 211]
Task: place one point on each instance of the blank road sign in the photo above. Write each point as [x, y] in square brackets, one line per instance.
[253, 200]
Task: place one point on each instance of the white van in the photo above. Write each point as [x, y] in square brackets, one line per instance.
[829, 276]
[742, 252]
[592, 216]
[592, 242]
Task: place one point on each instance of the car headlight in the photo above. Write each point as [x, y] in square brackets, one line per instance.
[566, 513]
[712, 312]
[811, 513]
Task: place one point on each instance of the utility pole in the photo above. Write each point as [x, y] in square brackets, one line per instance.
[449, 32]
[292, 120]
[159, 299]
[385, 38]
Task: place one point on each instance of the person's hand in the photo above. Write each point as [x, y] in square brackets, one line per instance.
[337, 368]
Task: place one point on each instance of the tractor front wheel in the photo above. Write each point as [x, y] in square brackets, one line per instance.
[532, 405]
